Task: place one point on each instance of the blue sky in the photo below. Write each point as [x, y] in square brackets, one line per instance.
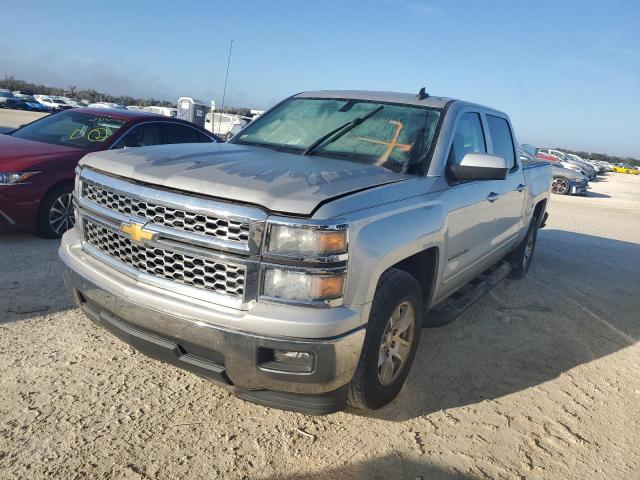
[567, 72]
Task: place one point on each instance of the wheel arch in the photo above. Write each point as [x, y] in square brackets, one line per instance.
[539, 209]
[52, 187]
[423, 266]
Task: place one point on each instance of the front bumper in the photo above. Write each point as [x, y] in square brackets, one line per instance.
[228, 356]
[18, 207]
[578, 188]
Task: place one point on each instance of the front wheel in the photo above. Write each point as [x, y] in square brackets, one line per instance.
[391, 341]
[56, 212]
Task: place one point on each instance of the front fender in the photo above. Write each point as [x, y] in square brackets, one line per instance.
[381, 241]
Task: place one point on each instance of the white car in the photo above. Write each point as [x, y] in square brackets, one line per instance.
[73, 102]
[225, 125]
[166, 111]
[54, 103]
[107, 105]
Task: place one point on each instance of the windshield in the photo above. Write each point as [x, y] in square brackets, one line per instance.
[71, 128]
[397, 137]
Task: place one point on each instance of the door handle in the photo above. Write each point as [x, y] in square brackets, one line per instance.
[521, 187]
[493, 196]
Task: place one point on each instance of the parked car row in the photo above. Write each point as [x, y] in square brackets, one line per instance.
[37, 103]
[625, 168]
[571, 173]
[565, 181]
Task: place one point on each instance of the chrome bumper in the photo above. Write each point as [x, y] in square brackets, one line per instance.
[134, 312]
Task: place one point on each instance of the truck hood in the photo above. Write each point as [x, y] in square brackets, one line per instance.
[277, 181]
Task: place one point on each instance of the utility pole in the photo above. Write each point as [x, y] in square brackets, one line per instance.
[224, 92]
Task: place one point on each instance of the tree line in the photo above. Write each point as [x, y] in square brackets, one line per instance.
[14, 84]
[603, 157]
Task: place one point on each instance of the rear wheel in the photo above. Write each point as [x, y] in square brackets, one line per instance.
[560, 186]
[522, 256]
[56, 212]
[391, 341]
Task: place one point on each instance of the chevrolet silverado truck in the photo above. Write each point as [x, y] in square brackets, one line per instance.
[296, 264]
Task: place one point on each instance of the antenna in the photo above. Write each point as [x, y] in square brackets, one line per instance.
[422, 94]
[224, 92]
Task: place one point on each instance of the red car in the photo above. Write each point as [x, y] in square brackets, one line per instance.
[37, 161]
[546, 157]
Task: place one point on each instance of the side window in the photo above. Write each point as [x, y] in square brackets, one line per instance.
[204, 138]
[468, 138]
[177, 133]
[142, 136]
[502, 139]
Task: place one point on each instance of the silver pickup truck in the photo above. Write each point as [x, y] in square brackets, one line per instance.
[296, 264]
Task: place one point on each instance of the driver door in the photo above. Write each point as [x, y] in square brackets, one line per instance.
[472, 214]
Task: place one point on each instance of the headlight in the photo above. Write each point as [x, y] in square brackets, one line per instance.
[13, 178]
[306, 241]
[302, 286]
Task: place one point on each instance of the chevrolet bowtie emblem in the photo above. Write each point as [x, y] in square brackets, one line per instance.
[137, 232]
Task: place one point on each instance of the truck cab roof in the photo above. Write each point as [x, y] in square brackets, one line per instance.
[392, 97]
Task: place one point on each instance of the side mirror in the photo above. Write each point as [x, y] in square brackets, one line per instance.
[480, 166]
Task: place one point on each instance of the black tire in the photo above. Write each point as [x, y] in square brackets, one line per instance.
[47, 227]
[522, 256]
[395, 289]
[560, 186]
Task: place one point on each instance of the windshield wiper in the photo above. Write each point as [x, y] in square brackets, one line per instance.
[335, 134]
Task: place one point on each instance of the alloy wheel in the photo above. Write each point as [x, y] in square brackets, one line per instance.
[528, 249]
[61, 216]
[559, 186]
[396, 343]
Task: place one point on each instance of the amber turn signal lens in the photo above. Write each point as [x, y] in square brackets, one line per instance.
[328, 287]
[332, 242]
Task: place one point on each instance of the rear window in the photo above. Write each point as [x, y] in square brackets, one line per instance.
[502, 139]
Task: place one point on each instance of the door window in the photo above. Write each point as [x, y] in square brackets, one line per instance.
[177, 133]
[502, 139]
[468, 138]
[142, 136]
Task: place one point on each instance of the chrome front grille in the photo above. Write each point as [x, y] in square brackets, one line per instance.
[187, 244]
[220, 228]
[200, 272]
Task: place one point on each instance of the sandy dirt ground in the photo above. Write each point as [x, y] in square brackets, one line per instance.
[10, 119]
[539, 380]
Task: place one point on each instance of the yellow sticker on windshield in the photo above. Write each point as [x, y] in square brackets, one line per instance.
[97, 134]
[76, 134]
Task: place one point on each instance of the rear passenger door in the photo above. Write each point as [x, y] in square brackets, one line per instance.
[509, 205]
